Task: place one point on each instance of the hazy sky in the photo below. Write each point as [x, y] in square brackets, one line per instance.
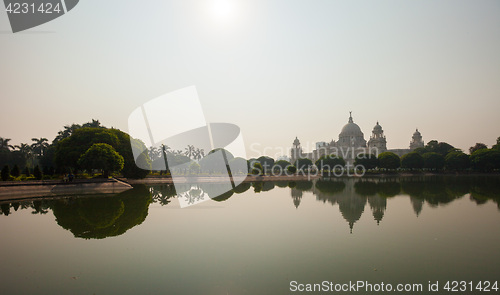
[277, 69]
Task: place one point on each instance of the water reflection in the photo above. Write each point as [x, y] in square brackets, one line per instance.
[353, 195]
[105, 216]
[94, 217]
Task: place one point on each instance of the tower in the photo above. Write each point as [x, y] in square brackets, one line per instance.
[416, 140]
[295, 151]
[377, 142]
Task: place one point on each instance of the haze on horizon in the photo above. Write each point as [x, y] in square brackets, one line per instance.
[277, 69]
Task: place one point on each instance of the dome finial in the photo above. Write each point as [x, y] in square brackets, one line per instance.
[350, 117]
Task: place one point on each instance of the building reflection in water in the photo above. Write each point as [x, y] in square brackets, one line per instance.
[100, 217]
[352, 195]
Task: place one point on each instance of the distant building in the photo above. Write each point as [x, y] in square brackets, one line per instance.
[352, 142]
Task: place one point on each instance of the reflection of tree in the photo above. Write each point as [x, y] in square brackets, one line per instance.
[5, 209]
[101, 217]
[388, 189]
[162, 193]
[485, 188]
[193, 196]
[223, 197]
[242, 187]
[435, 193]
[257, 186]
[365, 188]
[267, 186]
[40, 207]
[433, 190]
[304, 185]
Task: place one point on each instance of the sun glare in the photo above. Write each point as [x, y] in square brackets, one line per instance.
[223, 10]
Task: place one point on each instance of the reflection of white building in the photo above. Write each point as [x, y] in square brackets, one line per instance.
[351, 143]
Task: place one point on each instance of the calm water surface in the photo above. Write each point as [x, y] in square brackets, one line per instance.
[255, 240]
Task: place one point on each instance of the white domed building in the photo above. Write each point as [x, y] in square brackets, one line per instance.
[351, 142]
[351, 135]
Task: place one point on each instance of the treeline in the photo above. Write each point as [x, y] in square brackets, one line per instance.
[435, 156]
[91, 147]
[76, 148]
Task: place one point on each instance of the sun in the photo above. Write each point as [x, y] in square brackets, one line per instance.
[223, 10]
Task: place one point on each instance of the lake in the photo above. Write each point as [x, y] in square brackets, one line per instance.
[264, 238]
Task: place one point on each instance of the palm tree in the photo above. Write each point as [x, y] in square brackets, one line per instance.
[198, 154]
[154, 153]
[4, 144]
[39, 145]
[190, 151]
[165, 148]
[25, 149]
[68, 130]
[93, 124]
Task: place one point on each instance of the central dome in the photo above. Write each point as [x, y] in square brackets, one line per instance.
[351, 129]
[351, 135]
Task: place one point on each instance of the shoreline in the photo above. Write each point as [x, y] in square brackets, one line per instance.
[42, 189]
[215, 178]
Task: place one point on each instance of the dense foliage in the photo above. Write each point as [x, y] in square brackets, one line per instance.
[69, 150]
[388, 160]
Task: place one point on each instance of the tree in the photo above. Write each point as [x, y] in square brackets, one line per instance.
[27, 171]
[198, 154]
[25, 150]
[194, 168]
[303, 164]
[190, 151]
[5, 173]
[389, 160]
[67, 132]
[266, 162]
[69, 150]
[39, 145]
[4, 144]
[291, 169]
[282, 163]
[369, 161]
[412, 160]
[456, 161]
[328, 162]
[93, 124]
[485, 160]
[15, 171]
[101, 156]
[497, 145]
[433, 161]
[37, 172]
[478, 146]
[257, 168]
[421, 150]
[442, 148]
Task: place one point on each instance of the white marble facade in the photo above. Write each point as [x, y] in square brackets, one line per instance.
[351, 142]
